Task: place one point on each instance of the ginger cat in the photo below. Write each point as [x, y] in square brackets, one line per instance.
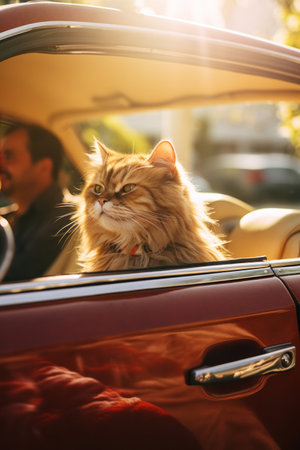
[137, 211]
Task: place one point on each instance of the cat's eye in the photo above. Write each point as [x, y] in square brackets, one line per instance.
[98, 188]
[127, 188]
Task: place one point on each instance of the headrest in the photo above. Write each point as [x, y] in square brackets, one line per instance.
[222, 206]
[266, 231]
[224, 209]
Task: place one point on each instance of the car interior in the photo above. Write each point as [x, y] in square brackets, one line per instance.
[41, 81]
[273, 233]
[248, 230]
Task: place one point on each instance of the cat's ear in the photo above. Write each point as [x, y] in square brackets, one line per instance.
[100, 151]
[164, 155]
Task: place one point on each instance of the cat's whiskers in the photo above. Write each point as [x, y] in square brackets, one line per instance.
[69, 214]
[155, 217]
[68, 226]
[70, 230]
[139, 218]
[148, 219]
[151, 218]
[62, 204]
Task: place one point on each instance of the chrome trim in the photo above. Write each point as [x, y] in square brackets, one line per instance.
[281, 271]
[60, 281]
[285, 262]
[272, 49]
[106, 286]
[10, 247]
[274, 359]
[54, 24]
[286, 266]
[266, 47]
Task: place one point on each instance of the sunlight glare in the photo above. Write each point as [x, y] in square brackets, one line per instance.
[201, 11]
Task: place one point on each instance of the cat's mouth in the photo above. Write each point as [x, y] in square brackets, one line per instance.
[113, 217]
[112, 211]
[106, 214]
[107, 210]
[100, 210]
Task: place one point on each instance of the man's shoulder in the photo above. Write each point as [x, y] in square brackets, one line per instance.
[52, 203]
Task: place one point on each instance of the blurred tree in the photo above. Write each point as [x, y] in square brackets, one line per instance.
[290, 115]
[115, 134]
[290, 14]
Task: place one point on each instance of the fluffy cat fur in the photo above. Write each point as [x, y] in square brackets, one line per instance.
[137, 211]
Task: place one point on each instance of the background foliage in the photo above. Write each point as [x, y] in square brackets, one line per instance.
[115, 134]
[290, 14]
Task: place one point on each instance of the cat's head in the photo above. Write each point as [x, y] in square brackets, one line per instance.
[131, 193]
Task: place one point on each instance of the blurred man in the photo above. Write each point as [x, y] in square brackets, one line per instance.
[30, 161]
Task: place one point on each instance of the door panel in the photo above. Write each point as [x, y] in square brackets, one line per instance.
[292, 282]
[140, 346]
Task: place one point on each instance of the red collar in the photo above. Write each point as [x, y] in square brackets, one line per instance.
[138, 249]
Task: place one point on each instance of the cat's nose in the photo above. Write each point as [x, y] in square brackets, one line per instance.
[102, 201]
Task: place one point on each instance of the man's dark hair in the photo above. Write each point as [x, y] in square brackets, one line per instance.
[42, 144]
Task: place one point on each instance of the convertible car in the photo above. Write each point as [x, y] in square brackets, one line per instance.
[199, 356]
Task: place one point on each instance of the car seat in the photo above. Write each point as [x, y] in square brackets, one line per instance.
[272, 232]
[224, 209]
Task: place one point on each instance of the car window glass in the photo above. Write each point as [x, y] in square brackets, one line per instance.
[245, 150]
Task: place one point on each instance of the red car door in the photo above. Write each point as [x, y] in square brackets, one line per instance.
[198, 357]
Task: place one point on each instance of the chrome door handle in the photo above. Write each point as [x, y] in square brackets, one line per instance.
[278, 358]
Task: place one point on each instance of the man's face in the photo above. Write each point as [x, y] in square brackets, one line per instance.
[16, 167]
